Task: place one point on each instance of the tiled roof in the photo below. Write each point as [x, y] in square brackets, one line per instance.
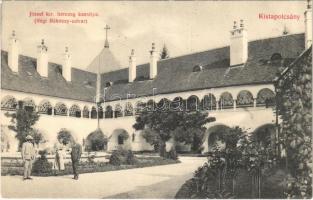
[28, 80]
[106, 59]
[176, 74]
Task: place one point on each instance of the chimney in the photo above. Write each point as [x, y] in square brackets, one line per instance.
[132, 67]
[308, 24]
[67, 66]
[42, 59]
[153, 62]
[238, 45]
[13, 53]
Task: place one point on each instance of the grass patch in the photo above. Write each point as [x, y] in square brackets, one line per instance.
[15, 167]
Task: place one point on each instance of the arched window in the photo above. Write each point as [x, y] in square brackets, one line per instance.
[60, 109]
[8, 103]
[108, 112]
[140, 106]
[151, 106]
[265, 97]
[75, 111]
[128, 109]
[29, 104]
[208, 102]
[178, 104]
[85, 112]
[244, 99]
[45, 107]
[100, 112]
[93, 113]
[226, 101]
[118, 111]
[163, 105]
[192, 103]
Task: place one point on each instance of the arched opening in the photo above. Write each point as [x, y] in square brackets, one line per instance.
[118, 111]
[8, 103]
[140, 107]
[178, 104]
[100, 112]
[226, 101]
[244, 99]
[163, 105]
[96, 141]
[128, 109]
[193, 103]
[93, 113]
[60, 109]
[208, 102]
[75, 111]
[29, 104]
[45, 107]
[108, 112]
[85, 112]
[119, 140]
[215, 134]
[265, 97]
[265, 136]
[151, 106]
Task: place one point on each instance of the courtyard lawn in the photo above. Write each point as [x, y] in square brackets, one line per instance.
[16, 167]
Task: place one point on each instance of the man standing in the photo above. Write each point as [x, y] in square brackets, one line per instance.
[28, 156]
[75, 156]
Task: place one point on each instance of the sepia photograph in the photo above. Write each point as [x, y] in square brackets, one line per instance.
[156, 99]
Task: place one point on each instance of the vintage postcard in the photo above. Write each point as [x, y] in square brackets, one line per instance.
[156, 99]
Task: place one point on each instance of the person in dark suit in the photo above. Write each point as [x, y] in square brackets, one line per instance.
[76, 153]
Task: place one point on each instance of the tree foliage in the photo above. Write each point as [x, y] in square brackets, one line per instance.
[294, 92]
[23, 121]
[164, 53]
[160, 126]
[64, 136]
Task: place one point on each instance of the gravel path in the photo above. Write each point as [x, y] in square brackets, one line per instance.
[150, 182]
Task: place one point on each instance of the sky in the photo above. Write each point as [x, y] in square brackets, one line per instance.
[184, 27]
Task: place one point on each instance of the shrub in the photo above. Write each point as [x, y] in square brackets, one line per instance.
[41, 166]
[130, 158]
[122, 157]
[172, 154]
[65, 136]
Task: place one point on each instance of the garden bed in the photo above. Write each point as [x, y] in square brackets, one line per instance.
[16, 167]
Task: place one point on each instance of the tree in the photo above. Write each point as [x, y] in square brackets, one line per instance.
[164, 53]
[160, 126]
[96, 140]
[294, 101]
[65, 136]
[37, 135]
[23, 120]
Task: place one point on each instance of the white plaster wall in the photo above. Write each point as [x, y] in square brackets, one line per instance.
[246, 118]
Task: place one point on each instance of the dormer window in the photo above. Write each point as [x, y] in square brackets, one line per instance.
[108, 84]
[197, 68]
[276, 57]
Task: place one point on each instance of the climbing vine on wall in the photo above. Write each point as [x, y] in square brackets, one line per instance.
[294, 92]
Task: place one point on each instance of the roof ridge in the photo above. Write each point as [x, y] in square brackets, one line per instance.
[215, 48]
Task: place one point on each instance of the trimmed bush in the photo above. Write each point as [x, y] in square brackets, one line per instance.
[41, 166]
[122, 157]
